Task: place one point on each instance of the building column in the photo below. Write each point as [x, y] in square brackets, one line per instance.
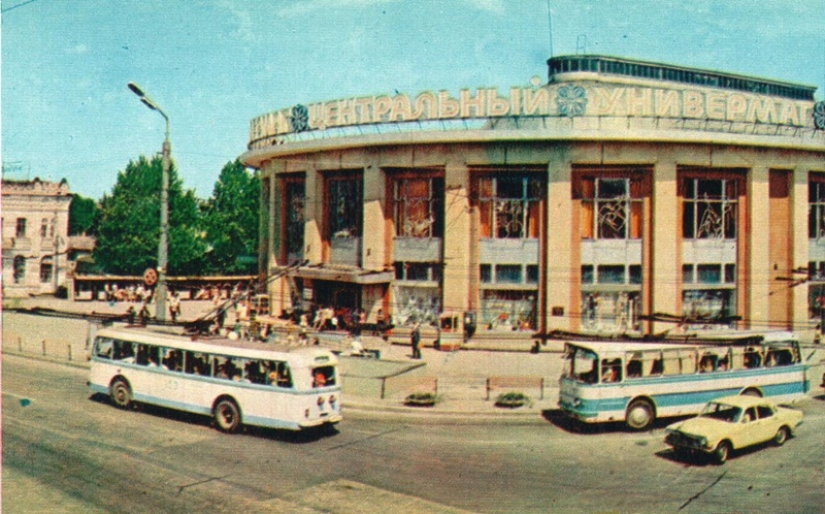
[799, 244]
[314, 216]
[373, 236]
[562, 259]
[757, 283]
[666, 235]
[460, 241]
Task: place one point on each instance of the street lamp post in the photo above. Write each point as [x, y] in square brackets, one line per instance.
[166, 150]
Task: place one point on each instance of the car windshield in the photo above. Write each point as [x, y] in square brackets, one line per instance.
[722, 412]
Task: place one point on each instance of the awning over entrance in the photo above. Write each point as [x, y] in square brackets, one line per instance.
[341, 274]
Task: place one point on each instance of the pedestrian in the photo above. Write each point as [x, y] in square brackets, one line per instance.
[174, 306]
[143, 315]
[130, 314]
[415, 341]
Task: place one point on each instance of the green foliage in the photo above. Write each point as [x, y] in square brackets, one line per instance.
[512, 400]
[129, 227]
[420, 399]
[83, 216]
[231, 221]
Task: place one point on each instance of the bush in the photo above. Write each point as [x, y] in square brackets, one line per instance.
[512, 400]
[420, 400]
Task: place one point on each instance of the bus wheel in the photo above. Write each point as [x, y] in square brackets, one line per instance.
[639, 415]
[227, 416]
[121, 394]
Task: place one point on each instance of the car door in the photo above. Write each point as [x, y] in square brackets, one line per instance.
[748, 429]
[767, 425]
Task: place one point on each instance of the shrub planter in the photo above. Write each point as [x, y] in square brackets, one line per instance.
[420, 400]
[512, 400]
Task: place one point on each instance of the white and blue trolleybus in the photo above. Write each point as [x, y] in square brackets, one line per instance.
[636, 382]
[235, 383]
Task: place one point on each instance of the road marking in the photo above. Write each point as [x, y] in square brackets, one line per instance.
[19, 397]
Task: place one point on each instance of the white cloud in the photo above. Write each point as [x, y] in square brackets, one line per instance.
[78, 49]
[493, 6]
[306, 6]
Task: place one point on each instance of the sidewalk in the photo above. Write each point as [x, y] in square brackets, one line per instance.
[460, 375]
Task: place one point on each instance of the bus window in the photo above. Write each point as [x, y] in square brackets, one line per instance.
[220, 367]
[152, 359]
[284, 375]
[103, 348]
[255, 372]
[753, 358]
[611, 370]
[582, 366]
[778, 357]
[142, 355]
[123, 351]
[707, 363]
[198, 363]
[173, 360]
[723, 363]
[323, 376]
[634, 365]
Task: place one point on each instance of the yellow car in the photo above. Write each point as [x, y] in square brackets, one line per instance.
[732, 423]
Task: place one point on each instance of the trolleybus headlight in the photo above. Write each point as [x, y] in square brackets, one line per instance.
[320, 401]
[306, 413]
[332, 399]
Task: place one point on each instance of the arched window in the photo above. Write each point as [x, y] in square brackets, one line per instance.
[46, 268]
[19, 269]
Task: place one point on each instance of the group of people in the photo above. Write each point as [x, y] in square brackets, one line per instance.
[328, 318]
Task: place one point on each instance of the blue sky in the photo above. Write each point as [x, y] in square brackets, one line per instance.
[212, 65]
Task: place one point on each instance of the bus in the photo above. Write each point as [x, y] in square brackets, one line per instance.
[636, 382]
[236, 383]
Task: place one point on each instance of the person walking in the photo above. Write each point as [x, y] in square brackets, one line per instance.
[415, 342]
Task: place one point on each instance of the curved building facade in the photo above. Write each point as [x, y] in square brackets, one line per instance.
[619, 196]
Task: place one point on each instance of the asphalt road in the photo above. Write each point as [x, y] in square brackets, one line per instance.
[65, 450]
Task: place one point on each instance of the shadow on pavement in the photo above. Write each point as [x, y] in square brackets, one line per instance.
[287, 436]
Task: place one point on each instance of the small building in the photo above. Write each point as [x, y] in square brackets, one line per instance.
[35, 236]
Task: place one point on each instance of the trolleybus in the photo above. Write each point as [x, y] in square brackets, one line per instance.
[235, 383]
[636, 382]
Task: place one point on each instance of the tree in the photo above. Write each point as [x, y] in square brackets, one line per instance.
[83, 214]
[230, 220]
[129, 228]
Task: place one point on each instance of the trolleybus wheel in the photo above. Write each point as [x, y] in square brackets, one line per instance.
[227, 416]
[121, 394]
[639, 415]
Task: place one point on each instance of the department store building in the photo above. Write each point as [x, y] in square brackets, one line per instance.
[619, 196]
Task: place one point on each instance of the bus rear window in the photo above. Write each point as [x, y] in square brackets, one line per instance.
[323, 376]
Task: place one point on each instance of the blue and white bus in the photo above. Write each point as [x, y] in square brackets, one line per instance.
[636, 382]
[235, 383]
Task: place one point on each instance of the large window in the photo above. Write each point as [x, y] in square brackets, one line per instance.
[21, 227]
[19, 269]
[345, 204]
[46, 270]
[417, 207]
[509, 206]
[709, 208]
[295, 201]
[611, 208]
[816, 209]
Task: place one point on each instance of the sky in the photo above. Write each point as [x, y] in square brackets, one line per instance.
[213, 65]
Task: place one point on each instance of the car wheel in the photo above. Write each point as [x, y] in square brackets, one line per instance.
[722, 452]
[227, 416]
[639, 415]
[121, 394]
[781, 436]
